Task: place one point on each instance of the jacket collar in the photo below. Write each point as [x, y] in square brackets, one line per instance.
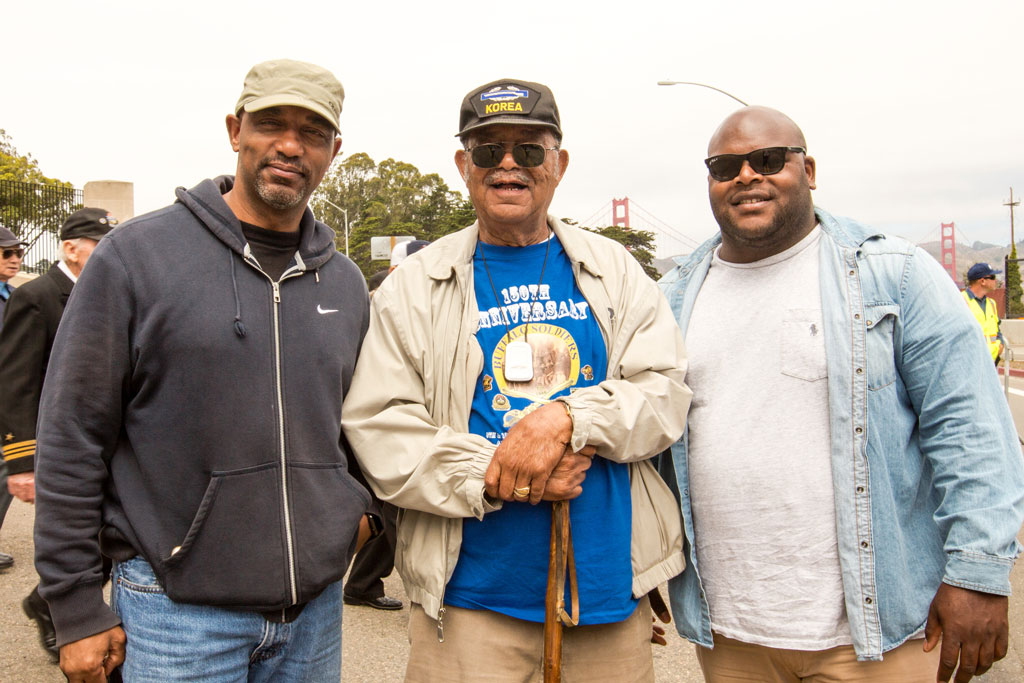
[844, 231]
[457, 249]
[60, 278]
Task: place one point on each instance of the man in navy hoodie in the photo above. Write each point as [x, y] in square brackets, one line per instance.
[190, 423]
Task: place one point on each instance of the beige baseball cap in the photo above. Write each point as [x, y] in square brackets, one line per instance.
[282, 82]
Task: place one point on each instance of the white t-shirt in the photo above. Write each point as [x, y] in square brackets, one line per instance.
[759, 453]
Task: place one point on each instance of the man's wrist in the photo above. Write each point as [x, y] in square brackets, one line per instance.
[572, 422]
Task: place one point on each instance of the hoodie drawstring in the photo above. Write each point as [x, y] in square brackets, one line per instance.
[239, 327]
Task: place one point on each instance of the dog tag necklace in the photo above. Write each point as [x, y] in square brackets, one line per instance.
[518, 365]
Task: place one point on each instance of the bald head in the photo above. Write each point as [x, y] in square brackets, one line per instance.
[761, 212]
[756, 123]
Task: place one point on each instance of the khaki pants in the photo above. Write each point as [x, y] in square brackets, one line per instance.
[480, 645]
[732, 660]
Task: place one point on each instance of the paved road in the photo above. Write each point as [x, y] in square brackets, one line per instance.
[375, 643]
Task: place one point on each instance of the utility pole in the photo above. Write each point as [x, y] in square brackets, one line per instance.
[1015, 264]
[1011, 204]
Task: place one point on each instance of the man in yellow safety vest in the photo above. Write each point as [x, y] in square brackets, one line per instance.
[981, 281]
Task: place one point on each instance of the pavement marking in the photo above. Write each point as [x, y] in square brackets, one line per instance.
[1016, 392]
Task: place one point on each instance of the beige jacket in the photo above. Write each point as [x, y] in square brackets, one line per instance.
[407, 412]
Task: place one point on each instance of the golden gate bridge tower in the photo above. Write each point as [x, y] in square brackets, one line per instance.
[948, 246]
[623, 217]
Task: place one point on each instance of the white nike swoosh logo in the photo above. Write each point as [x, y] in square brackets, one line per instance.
[321, 310]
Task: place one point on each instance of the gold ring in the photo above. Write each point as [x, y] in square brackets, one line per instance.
[521, 492]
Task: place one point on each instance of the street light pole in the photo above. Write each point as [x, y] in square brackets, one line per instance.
[345, 212]
[704, 85]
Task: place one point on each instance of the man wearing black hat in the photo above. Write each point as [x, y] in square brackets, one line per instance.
[981, 281]
[10, 263]
[516, 363]
[31, 321]
[190, 426]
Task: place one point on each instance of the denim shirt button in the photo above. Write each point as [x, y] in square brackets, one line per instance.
[859, 430]
[867, 600]
[860, 489]
[856, 316]
[863, 544]
[860, 371]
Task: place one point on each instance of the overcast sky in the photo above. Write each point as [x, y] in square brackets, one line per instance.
[913, 110]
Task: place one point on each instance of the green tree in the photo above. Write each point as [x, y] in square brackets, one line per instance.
[22, 168]
[639, 243]
[31, 203]
[1014, 306]
[389, 198]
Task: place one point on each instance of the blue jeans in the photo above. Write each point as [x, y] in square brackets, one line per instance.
[171, 641]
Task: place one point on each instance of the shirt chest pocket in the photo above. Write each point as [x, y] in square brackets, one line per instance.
[802, 345]
[880, 324]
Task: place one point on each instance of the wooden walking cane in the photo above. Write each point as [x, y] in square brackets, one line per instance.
[561, 556]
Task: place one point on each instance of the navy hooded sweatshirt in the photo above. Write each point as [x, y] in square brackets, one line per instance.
[191, 414]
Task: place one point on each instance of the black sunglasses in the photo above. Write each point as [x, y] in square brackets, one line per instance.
[767, 161]
[525, 154]
[8, 253]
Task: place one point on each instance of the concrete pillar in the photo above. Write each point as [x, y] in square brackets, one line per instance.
[116, 196]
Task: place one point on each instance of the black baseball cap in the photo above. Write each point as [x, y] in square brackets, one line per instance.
[9, 239]
[509, 101]
[89, 222]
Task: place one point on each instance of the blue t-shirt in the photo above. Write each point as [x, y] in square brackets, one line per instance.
[503, 563]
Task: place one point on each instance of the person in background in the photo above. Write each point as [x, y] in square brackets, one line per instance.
[32, 317]
[981, 281]
[404, 250]
[13, 251]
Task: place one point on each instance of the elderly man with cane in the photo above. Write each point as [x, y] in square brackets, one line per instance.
[511, 367]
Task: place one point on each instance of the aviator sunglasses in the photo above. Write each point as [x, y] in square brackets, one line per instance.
[767, 161]
[8, 253]
[525, 154]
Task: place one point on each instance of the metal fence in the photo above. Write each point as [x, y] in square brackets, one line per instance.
[35, 213]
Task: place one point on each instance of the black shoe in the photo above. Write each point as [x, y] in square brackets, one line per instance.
[6, 561]
[37, 609]
[383, 602]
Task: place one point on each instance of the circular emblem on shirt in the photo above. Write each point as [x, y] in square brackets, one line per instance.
[556, 361]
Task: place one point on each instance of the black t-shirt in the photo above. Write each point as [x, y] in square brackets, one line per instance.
[272, 248]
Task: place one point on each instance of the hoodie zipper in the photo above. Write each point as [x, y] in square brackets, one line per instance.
[289, 541]
[280, 429]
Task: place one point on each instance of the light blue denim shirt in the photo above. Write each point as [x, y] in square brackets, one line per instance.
[927, 468]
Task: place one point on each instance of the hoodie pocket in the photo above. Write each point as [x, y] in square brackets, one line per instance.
[326, 506]
[234, 553]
